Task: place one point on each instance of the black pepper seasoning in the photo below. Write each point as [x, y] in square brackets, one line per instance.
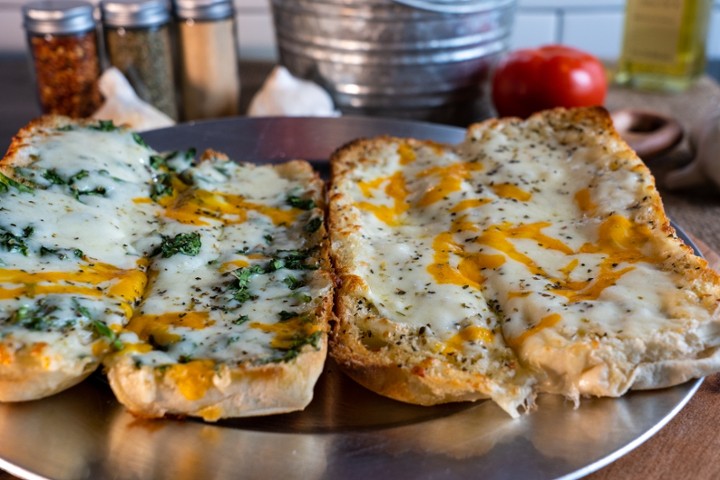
[63, 46]
[137, 40]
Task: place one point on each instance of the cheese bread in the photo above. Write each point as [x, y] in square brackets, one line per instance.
[234, 319]
[73, 249]
[204, 287]
[535, 256]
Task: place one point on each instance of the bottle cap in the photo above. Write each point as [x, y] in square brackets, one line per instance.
[134, 13]
[203, 9]
[58, 16]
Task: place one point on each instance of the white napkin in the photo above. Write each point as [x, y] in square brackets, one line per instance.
[124, 107]
[282, 94]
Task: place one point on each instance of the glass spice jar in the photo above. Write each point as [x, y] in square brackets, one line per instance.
[209, 79]
[64, 50]
[137, 40]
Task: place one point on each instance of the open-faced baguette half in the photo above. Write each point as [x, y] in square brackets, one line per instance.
[234, 321]
[71, 250]
[534, 255]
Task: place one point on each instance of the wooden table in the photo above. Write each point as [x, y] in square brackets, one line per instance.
[689, 446]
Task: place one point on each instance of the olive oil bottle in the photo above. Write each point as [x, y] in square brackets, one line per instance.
[664, 43]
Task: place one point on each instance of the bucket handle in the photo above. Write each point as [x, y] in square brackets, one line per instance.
[454, 6]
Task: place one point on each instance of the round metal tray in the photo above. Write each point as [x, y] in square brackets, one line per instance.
[347, 432]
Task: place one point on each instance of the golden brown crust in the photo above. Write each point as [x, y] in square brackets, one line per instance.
[28, 374]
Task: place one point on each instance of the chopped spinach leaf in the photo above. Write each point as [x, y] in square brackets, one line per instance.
[38, 317]
[302, 204]
[78, 176]
[139, 140]
[105, 126]
[284, 315]
[184, 243]
[241, 319]
[298, 343]
[160, 160]
[293, 283]
[102, 330]
[313, 225]
[301, 297]
[162, 186]
[6, 183]
[61, 253]
[53, 177]
[14, 243]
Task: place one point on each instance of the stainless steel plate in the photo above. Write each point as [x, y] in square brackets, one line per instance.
[347, 432]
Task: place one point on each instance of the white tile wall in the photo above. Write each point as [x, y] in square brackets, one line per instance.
[594, 25]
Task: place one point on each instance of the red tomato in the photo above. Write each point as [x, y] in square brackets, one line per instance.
[530, 80]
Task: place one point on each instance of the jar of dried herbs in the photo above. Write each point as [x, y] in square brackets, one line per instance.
[64, 50]
[137, 40]
[210, 82]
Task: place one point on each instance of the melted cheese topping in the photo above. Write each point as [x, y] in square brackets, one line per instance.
[73, 246]
[199, 310]
[113, 250]
[513, 242]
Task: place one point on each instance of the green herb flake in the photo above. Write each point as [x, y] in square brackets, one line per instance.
[63, 253]
[38, 318]
[284, 315]
[302, 204]
[185, 243]
[293, 283]
[6, 183]
[241, 319]
[14, 243]
[53, 177]
[162, 186]
[139, 140]
[313, 225]
[105, 126]
[102, 330]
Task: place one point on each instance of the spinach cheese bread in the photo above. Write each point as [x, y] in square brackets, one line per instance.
[203, 286]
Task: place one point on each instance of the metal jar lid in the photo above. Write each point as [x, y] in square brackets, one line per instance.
[134, 13]
[58, 16]
[203, 9]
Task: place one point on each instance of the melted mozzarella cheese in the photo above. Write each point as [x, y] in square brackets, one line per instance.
[199, 310]
[69, 263]
[517, 239]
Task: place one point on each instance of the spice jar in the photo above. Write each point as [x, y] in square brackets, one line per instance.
[64, 50]
[210, 83]
[137, 40]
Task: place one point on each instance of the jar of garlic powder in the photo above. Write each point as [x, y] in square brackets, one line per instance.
[64, 51]
[209, 78]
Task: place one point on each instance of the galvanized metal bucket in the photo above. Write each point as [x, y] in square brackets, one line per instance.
[419, 59]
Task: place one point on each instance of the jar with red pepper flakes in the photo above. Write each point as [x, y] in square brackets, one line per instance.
[63, 45]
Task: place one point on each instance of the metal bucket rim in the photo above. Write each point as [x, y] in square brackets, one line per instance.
[454, 6]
